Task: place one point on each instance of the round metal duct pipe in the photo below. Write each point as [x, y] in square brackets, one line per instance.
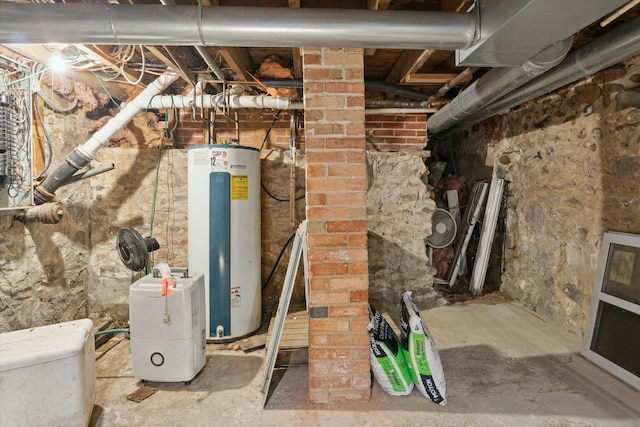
[495, 84]
[607, 50]
[233, 26]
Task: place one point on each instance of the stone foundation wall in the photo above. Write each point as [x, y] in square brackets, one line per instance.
[44, 269]
[572, 162]
[399, 211]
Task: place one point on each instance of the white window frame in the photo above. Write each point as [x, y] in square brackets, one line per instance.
[608, 240]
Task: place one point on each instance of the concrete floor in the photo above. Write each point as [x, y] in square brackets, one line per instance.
[504, 367]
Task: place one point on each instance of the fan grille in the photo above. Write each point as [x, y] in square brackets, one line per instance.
[443, 229]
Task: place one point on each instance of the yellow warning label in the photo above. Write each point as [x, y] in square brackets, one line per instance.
[239, 187]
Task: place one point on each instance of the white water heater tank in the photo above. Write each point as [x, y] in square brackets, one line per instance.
[224, 235]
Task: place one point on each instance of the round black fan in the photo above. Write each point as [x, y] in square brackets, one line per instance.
[134, 249]
[443, 229]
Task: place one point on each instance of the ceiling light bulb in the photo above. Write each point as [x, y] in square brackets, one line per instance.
[57, 63]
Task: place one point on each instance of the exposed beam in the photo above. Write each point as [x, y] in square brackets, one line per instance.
[409, 62]
[455, 5]
[378, 4]
[297, 52]
[432, 78]
[239, 60]
[297, 62]
[374, 5]
[169, 61]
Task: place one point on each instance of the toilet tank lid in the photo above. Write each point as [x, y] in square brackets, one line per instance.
[27, 347]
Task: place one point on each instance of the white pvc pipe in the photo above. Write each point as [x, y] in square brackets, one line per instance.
[213, 101]
[114, 125]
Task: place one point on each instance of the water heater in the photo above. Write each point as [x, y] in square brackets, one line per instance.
[224, 235]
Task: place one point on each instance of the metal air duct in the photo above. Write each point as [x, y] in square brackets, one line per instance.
[495, 84]
[607, 50]
[233, 26]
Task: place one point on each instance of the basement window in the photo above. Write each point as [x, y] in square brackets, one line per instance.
[612, 335]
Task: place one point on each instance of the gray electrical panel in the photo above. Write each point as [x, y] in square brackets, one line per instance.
[16, 144]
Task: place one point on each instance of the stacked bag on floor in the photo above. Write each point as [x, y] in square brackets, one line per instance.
[415, 360]
[421, 353]
[387, 358]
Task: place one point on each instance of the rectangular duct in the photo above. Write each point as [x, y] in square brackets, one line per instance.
[512, 31]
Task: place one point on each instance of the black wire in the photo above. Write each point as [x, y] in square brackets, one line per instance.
[273, 123]
[277, 198]
[275, 119]
[47, 141]
[266, 282]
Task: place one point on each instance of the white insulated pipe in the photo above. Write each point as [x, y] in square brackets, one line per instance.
[127, 114]
[234, 26]
[213, 101]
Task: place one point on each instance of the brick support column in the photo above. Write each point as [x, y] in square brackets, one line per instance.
[337, 224]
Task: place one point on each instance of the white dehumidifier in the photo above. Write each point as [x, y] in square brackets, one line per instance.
[168, 331]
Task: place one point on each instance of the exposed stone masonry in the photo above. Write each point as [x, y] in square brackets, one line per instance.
[572, 162]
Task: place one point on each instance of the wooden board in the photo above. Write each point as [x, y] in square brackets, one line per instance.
[296, 330]
[252, 343]
[109, 345]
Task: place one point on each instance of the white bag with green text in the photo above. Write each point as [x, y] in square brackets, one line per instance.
[421, 353]
[387, 359]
